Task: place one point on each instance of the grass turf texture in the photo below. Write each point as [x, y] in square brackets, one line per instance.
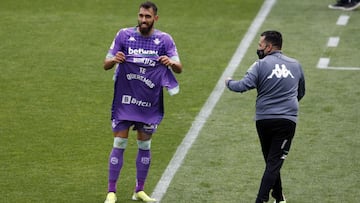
[225, 163]
[55, 99]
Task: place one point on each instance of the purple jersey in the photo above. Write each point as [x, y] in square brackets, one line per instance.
[130, 42]
[139, 82]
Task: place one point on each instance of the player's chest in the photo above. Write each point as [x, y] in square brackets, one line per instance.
[141, 46]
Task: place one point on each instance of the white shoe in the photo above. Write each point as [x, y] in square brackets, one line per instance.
[110, 198]
[141, 195]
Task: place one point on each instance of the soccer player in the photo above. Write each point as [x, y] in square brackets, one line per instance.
[145, 59]
[280, 85]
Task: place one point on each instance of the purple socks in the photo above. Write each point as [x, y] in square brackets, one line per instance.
[142, 168]
[115, 164]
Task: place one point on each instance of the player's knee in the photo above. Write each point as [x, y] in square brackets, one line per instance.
[120, 143]
[144, 145]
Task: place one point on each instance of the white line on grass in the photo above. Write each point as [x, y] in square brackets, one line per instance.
[324, 64]
[343, 68]
[343, 20]
[206, 110]
[333, 41]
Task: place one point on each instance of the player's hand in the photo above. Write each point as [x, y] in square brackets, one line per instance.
[119, 57]
[227, 80]
[165, 60]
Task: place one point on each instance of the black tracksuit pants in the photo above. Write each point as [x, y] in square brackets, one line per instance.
[275, 138]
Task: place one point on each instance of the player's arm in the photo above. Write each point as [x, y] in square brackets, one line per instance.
[301, 87]
[171, 58]
[111, 60]
[241, 86]
[173, 62]
[248, 82]
[114, 54]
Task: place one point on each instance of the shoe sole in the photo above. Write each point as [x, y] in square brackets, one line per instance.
[352, 8]
[336, 7]
[136, 198]
[344, 8]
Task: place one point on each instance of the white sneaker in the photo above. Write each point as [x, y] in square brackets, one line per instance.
[110, 198]
[141, 195]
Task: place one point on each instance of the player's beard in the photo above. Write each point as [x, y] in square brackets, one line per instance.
[145, 30]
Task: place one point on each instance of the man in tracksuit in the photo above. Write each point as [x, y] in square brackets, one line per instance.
[280, 85]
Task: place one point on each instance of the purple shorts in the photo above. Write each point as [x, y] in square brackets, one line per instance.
[119, 125]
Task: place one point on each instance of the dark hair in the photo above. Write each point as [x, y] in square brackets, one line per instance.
[148, 5]
[273, 37]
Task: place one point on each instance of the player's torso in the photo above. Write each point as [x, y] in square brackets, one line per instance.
[278, 73]
[134, 44]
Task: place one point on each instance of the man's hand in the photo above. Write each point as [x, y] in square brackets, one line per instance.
[119, 57]
[227, 80]
[176, 66]
[110, 62]
[165, 60]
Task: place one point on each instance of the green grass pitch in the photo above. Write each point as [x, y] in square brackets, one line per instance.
[55, 100]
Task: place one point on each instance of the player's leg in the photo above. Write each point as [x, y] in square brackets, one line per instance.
[265, 135]
[116, 158]
[121, 133]
[282, 141]
[282, 132]
[143, 160]
[277, 193]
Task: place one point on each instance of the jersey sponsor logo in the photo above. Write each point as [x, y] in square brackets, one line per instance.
[127, 99]
[141, 51]
[282, 72]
